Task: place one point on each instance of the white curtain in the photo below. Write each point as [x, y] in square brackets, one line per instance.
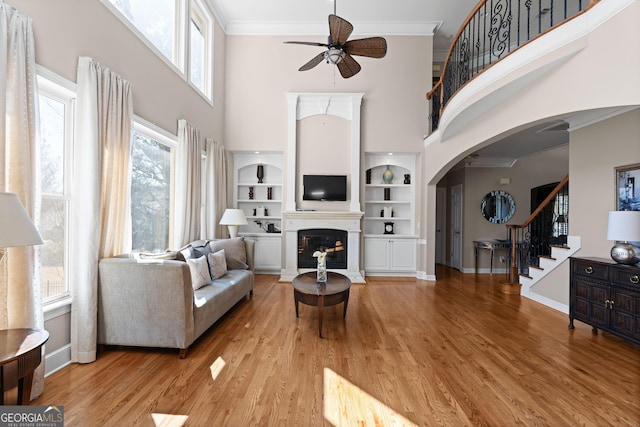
[20, 279]
[188, 184]
[216, 189]
[100, 210]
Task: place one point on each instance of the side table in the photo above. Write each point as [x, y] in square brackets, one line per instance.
[20, 355]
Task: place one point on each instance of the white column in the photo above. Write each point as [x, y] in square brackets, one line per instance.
[292, 145]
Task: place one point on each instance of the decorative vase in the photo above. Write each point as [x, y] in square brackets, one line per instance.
[251, 193]
[407, 178]
[387, 194]
[368, 175]
[321, 276]
[269, 193]
[387, 176]
[260, 173]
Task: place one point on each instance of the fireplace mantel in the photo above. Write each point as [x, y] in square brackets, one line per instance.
[302, 220]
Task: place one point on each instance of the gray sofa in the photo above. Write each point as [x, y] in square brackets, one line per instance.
[149, 301]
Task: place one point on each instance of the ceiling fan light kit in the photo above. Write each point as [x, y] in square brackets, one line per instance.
[339, 51]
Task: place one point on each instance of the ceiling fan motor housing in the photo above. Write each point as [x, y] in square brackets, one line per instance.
[334, 55]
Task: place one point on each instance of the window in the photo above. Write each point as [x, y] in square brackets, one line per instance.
[158, 22]
[56, 123]
[199, 48]
[184, 39]
[151, 183]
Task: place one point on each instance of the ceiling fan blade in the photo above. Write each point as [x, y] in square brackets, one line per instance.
[315, 61]
[307, 43]
[339, 30]
[372, 47]
[348, 66]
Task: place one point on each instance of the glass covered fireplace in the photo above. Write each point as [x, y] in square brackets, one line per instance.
[333, 242]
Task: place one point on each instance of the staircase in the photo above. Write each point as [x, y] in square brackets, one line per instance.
[547, 264]
[544, 242]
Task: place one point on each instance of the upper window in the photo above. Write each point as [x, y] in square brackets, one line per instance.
[150, 190]
[179, 30]
[199, 48]
[56, 123]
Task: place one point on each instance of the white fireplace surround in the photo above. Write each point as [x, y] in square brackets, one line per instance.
[302, 105]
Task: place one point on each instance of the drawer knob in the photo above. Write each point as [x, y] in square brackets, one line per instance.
[588, 270]
[634, 279]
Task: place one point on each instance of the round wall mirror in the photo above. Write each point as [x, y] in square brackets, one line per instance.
[498, 207]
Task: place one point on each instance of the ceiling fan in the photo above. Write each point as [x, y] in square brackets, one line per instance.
[339, 51]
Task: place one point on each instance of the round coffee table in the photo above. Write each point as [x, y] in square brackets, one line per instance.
[307, 291]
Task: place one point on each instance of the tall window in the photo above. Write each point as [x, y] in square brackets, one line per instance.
[150, 190]
[199, 48]
[181, 31]
[56, 115]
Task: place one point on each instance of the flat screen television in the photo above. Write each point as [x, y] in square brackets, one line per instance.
[325, 187]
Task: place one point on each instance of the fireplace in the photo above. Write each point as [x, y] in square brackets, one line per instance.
[312, 221]
[333, 242]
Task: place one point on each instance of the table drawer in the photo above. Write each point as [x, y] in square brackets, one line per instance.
[586, 268]
[628, 277]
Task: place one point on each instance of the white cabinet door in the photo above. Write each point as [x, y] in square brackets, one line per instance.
[376, 254]
[268, 253]
[403, 255]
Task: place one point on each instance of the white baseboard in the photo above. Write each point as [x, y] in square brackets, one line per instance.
[57, 360]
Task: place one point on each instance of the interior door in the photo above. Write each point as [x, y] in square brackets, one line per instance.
[441, 224]
[456, 226]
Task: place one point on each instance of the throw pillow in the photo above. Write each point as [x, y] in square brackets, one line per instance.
[217, 264]
[234, 251]
[197, 252]
[199, 272]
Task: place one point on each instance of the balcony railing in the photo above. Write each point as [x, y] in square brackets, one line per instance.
[493, 30]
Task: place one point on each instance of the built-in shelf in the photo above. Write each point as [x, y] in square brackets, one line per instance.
[389, 253]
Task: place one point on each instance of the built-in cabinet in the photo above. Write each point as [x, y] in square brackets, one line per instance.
[606, 295]
[257, 190]
[390, 255]
[390, 238]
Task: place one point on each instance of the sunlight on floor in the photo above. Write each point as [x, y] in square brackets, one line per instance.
[217, 367]
[345, 404]
[168, 420]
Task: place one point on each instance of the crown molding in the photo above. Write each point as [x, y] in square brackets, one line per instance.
[312, 28]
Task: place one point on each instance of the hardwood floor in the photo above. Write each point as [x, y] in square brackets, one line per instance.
[454, 352]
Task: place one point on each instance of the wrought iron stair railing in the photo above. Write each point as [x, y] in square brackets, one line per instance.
[493, 30]
[547, 226]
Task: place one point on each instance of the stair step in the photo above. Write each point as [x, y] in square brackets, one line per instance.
[536, 267]
[559, 247]
[526, 276]
[547, 257]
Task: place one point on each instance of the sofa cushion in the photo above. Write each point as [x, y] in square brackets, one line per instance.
[217, 264]
[234, 250]
[199, 269]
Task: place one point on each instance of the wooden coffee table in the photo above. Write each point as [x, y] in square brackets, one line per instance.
[307, 291]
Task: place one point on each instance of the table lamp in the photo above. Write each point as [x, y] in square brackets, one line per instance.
[624, 227]
[233, 218]
[16, 228]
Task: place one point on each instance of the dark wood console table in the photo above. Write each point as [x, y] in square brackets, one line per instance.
[20, 355]
[606, 295]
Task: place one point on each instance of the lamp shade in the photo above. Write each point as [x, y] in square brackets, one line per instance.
[624, 226]
[16, 228]
[233, 217]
